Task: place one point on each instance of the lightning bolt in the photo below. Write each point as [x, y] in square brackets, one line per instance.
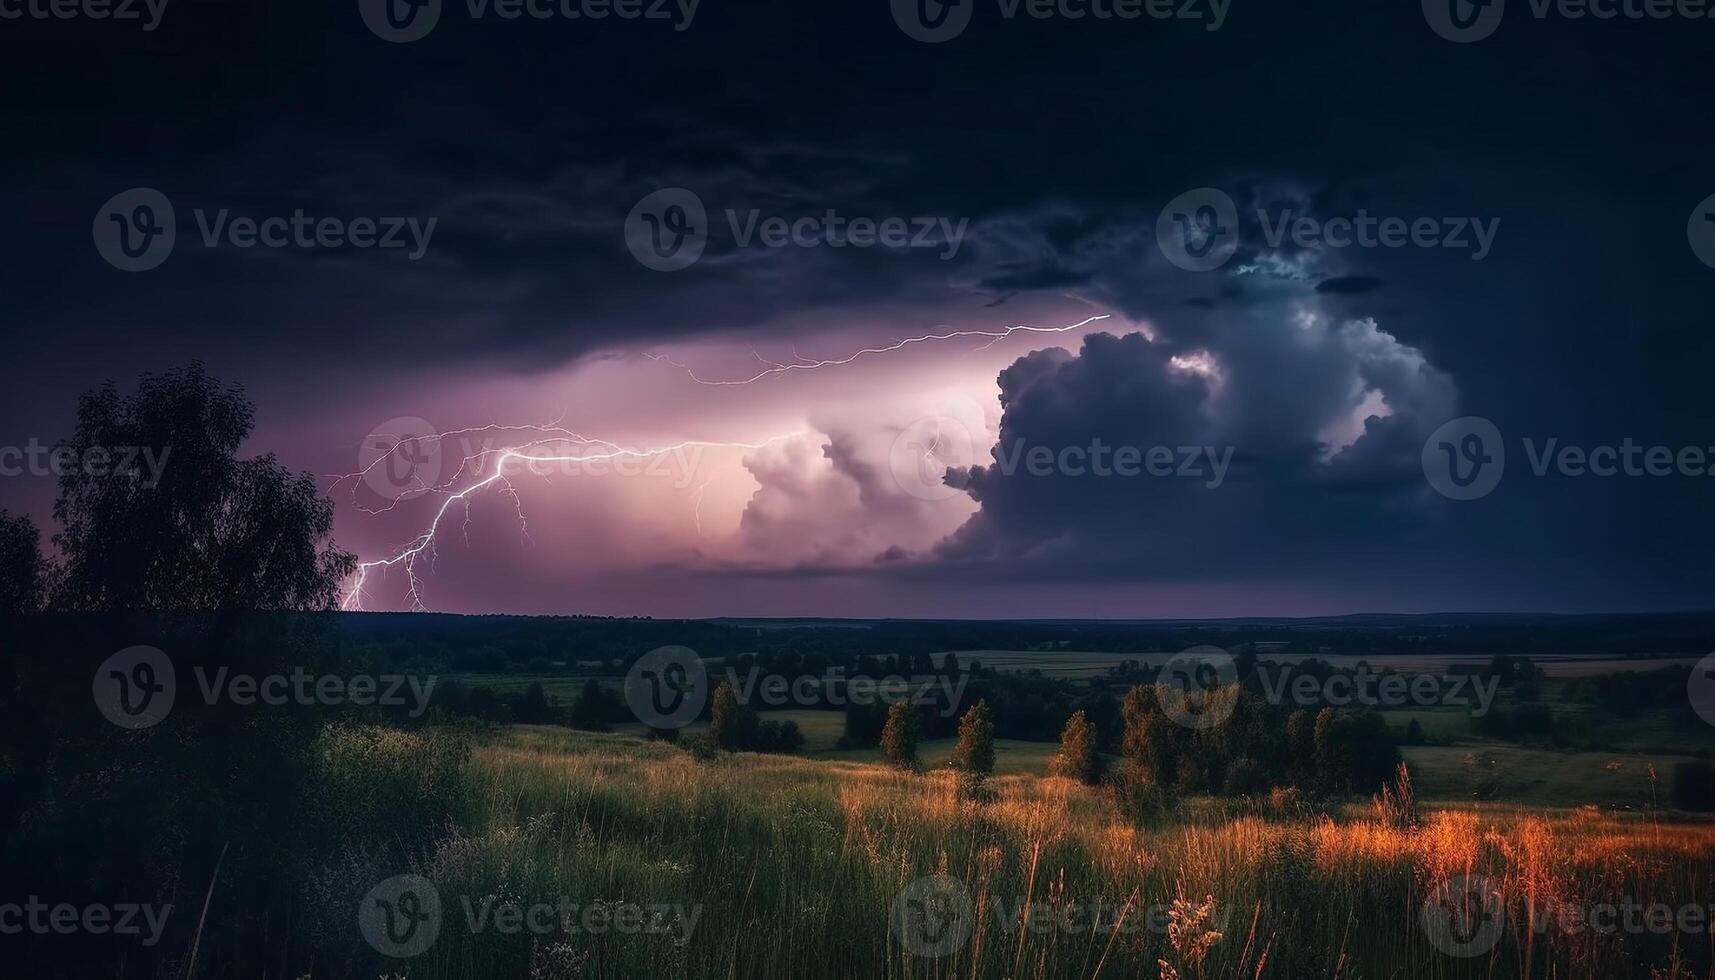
[532, 452]
[697, 510]
[810, 364]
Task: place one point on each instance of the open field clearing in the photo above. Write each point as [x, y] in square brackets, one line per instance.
[768, 866]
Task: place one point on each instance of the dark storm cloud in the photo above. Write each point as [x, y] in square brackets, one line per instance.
[1349, 285]
[1326, 413]
[1059, 141]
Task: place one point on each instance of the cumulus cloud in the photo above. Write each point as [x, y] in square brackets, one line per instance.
[1270, 391]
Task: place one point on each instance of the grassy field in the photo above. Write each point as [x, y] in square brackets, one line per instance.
[1540, 778]
[771, 866]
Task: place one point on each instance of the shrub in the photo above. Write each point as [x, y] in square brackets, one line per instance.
[1414, 733]
[1245, 777]
[1152, 740]
[595, 708]
[1396, 804]
[702, 746]
[973, 756]
[733, 724]
[1484, 770]
[1140, 798]
[899, 735]
[783, 737]
[1078, 758]
[1694, 786]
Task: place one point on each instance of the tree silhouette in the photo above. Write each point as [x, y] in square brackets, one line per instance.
[174, 520]
[21, 567]
[731, 722]
[899, 735]
[973, 755]
[1078, 759]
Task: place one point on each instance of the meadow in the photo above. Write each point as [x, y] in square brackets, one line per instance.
[751, 865]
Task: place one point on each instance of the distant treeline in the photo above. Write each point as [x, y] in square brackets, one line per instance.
[498, 644]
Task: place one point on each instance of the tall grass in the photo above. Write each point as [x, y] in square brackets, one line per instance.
[791, 868]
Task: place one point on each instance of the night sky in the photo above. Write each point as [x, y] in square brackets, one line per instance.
[1050, 148]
